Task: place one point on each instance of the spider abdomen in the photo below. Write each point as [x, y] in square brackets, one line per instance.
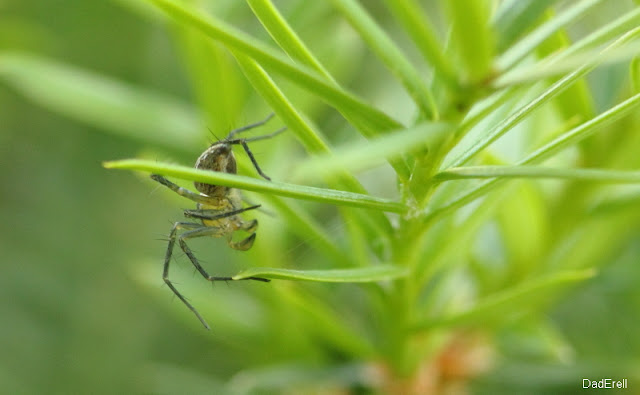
[218, 157]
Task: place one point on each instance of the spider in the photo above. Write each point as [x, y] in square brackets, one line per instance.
[218, 207]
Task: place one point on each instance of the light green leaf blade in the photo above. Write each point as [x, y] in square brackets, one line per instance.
[309, 135]
[312, 139]
[390, 54]
[356, 275]
[331, 196]
[362, 156]
[575, 61]
[529, 43]
[216, 85]
[284, 35]
[520, 298]
[582, 131]
[327, 323]
[634, 73]
[281, 378]
[567, 139]
[514, 17]
[471, 36]
[275, 61]
[517, 116]
[103, 102]
[607, 32]
[414, 20]
[599, 175]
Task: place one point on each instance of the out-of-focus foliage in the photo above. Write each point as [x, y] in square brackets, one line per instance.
[530, 289]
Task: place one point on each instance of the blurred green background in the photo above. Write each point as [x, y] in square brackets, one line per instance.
[78, 242]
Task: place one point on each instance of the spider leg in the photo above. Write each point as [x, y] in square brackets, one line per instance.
[244, 245]
[243, 142]
[266, 136]
[181, 191]
[215, 214]
[249, 226]
[203, 231]
[251, 126]
[195, 230]
[253, 159]
[167, 261]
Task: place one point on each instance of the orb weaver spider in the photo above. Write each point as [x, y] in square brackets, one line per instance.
[218, 207]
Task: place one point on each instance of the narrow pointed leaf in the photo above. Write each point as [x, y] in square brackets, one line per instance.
[530, 42]
[331, 196]
[414, 19]
[575, 61]
[284, 35]
[600, 175]
[274, 60]
[518, 299]
[362, 156]
[358, 275]
[567, 139]
[104, 102]
[517, 116]
[390, 54]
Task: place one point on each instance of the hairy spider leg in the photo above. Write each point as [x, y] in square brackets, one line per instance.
[244, 144]
[196, 197]
[250, 126]
[212, 214]
[239, 224]
[197, 230]
[167, 259]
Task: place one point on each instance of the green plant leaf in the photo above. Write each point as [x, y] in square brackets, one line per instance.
[567, 139]
[523, 218]
[582, 131]
[281, 378]
[518, 299]
[529, 43]
[327, 322]
[514, 17]
[599, 175]
[518, 115]
[218, 88]
[390, 54]
[365, 155]
[306, 227]
[284, 35]
[611, 30]
[310, 137]
[273, 60]
[415, 21]
[586, 59]
[459, 239]
[358, 275]
[252, 184]
[577, 100]
[634, 73]
[471, 36]
[104, 102]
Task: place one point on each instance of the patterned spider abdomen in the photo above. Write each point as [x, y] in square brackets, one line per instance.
[218, 157]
